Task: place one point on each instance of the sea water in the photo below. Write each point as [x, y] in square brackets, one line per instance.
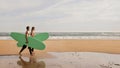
[74, 35]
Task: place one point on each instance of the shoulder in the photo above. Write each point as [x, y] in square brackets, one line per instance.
[26, 32]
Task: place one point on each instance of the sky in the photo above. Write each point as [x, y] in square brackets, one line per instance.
[60, 15]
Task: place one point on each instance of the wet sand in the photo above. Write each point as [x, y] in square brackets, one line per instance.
[63, 60]
[8, 47]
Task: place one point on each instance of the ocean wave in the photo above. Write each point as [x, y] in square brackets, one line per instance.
[72, 37]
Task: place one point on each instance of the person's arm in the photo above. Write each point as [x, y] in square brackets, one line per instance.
[32, 34]
[26, 37]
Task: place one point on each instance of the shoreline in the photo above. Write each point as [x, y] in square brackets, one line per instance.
[72, 38]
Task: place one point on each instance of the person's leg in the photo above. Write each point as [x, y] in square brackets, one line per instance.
[23, 47]
[30, 50]
[33, 51]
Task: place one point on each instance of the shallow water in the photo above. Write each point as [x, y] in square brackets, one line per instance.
[73, 35]
[63, 60]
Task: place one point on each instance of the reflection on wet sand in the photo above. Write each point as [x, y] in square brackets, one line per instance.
[62, 60]
[32, 63]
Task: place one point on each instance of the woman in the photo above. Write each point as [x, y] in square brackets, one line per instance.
[32, 35]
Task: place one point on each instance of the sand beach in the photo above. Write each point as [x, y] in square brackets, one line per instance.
[8, 47]
[64, 53]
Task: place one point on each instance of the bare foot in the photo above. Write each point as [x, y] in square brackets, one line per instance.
[33, 53]
[20, 54]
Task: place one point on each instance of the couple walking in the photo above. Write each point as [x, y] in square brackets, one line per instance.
[27, 34]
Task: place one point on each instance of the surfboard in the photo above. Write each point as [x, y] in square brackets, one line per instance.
[42, 36]
[20, 38]
[32, 42]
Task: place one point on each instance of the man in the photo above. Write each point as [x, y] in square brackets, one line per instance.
[25, 45]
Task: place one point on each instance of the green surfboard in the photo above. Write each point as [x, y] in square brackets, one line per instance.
[34, 42]
[18, 37]
[42, 36]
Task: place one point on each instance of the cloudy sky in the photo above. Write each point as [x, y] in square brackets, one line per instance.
[60, 15]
